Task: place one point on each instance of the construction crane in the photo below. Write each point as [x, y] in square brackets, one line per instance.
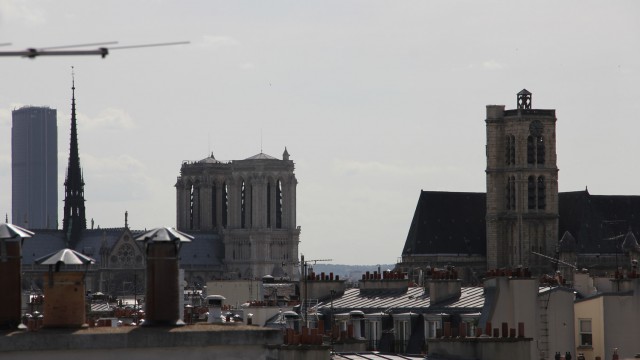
[32, 53]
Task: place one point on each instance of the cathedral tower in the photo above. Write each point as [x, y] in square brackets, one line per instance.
[74, 220]
[522, 185]
[251, 204]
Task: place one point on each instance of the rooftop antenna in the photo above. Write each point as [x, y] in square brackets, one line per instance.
[78, 45]
[260, 140]
[32, 53]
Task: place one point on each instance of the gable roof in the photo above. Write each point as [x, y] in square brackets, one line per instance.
[206, 249]
[598, 222]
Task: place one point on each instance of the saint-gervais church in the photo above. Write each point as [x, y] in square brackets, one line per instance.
[522, 219]
[250, 205]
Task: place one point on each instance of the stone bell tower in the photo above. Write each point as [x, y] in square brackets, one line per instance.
[251, 204]
[522, 185]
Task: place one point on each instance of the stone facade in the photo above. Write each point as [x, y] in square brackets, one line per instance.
[251, 203]
[522, 185]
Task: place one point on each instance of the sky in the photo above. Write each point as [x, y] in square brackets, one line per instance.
[374, 100]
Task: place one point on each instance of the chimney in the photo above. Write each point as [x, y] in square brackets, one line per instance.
[443, 290]
[387, 280]
[444, 285]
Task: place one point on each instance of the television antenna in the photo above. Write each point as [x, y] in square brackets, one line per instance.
[555, 260]
[65, 50]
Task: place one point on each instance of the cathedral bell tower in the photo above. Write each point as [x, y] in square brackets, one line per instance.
[522, 185]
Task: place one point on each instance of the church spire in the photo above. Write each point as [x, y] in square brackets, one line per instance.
[74, 213]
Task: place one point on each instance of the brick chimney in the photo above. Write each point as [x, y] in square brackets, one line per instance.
[443, 285]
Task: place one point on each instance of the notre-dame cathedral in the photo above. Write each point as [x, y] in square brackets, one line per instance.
[251, 205]
[522, 219]
[242, 214]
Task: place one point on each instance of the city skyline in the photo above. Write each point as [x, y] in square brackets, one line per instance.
[373, 100]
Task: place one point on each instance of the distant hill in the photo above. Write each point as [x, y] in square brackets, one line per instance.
[350, 273]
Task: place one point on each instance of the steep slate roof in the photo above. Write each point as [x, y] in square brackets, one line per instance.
[448, 223]
[206, 249]
[444, 220]
[593, 218]
[42, 243]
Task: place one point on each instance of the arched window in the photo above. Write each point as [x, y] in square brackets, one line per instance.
[268, 204]
[190, 207]
[513, 150]
[541, 193]
[279, 205]
[225, 204]
[193, 206]
[243, 205]
[508, 194]
[539, 150]
[214, 207]
[510, 150]
[511, 193]
[531, 156]
[531, 193]
[507, 150]
[512, 184]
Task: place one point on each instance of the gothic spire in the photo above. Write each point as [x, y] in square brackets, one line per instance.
[74, 213]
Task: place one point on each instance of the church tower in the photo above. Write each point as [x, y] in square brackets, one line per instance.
[251, 205]
[74, 220]
[522, 185]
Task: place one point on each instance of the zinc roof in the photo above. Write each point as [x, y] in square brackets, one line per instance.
[415, 299]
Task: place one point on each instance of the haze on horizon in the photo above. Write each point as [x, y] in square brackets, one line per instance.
[374, 100]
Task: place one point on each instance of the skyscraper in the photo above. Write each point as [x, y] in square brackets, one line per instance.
[34, 168]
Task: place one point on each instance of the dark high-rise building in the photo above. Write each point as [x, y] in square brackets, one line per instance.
[34, 168]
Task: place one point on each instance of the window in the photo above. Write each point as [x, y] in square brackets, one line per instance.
[225, 204]
[402, 333]
[192, 205]
[511, 193]
[243, 205]
[214, 202]
[269, 205]
[585, 332]
[279, 205]
[373, 333]
[541, 193]
[536, 193]
[535, 150]
[531, 156]
[510, 150]
[432, 328]
[539, 150]
[531, 193]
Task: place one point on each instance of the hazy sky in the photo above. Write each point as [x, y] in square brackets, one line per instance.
[374, 100]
